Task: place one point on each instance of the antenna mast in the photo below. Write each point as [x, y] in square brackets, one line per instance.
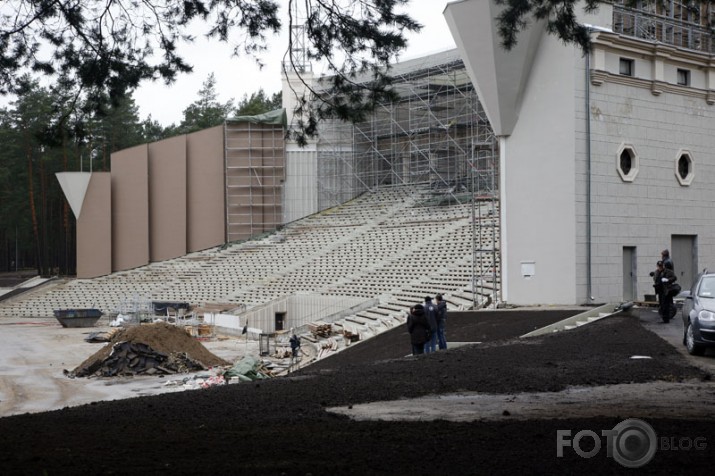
[298, 52]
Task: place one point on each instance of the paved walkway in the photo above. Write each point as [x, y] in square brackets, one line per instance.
[672, 333]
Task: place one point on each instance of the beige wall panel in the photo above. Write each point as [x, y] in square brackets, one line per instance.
[167, 199]
[206, 219]
[130, 208]
[94, 228]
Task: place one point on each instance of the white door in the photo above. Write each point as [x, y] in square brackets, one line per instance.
[685, 258]
[629, 273]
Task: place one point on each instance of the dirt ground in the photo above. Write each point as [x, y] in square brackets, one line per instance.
[499, 407]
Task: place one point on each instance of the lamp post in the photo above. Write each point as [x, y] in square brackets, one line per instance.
[92, 156]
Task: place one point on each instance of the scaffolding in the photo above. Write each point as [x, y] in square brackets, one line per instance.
[683, 24]
[436, 135]
[255, 172]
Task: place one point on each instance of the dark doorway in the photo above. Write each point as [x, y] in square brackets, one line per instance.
[280, 321]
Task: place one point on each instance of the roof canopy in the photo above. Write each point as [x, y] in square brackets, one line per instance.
[277, 117]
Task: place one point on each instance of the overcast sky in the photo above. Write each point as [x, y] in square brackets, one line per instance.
[238, 76]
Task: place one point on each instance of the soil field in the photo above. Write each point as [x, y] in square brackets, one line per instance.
[290, 425]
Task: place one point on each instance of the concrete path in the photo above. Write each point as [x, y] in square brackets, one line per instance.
[672, 332]
[643, 400]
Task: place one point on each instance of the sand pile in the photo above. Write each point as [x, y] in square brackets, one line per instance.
[149, 349]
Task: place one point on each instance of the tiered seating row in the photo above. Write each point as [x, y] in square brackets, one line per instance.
[378, 245]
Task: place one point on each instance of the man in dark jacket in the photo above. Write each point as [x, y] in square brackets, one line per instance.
[418, 327]
[663, 278]
[294, 345]
[431, 313]
[667, 262]
[657, 284]
[441, 322]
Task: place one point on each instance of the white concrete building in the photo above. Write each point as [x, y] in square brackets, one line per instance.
[605, 158]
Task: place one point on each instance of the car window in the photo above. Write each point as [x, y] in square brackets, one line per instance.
[707, 287]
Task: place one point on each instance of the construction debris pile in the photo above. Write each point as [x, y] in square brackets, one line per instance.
[102, 336]
[320, 329]
[208, 379]
[151, 349]
[327, 348]
[135, 358]
[248, 369]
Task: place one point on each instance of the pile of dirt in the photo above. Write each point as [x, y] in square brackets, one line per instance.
[149, 348]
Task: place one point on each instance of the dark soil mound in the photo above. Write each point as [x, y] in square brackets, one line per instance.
[162, 343]
[462, 326]
[597, 354]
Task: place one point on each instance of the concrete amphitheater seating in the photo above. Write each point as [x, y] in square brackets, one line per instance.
[381, 245]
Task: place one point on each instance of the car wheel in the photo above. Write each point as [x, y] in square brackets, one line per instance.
[693, 348]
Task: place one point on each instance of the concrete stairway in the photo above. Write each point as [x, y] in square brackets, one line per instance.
[592, 315]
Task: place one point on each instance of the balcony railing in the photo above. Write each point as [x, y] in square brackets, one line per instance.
[666, 30]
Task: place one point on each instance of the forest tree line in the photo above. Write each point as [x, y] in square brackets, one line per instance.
[44, 131]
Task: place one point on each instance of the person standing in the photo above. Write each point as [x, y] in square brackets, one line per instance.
[667, 278]
[294, 345]
[431, 313]
[441, 322]
[658, 285]
[418, 327]
[667, 262]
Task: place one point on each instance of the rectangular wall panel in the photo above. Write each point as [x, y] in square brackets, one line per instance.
[94, 228]
[130, 207]
[206, 218]
[167, 199]
[255, 176]
[301, 186]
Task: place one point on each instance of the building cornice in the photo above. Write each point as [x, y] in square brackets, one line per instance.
[657, 53]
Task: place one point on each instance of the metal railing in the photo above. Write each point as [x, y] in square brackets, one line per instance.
[670, 31]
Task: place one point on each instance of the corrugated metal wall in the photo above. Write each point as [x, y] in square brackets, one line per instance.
[301, 186]
[301, 309]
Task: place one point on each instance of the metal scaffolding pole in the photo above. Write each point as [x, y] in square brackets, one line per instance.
[436, 134]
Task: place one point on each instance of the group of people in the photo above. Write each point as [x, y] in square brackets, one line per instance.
[426, 324]
[666, 288]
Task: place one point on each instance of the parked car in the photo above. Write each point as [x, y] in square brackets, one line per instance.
[699, 314]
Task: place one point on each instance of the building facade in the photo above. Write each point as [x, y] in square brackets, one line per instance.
[187, 193]
[606, 158]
